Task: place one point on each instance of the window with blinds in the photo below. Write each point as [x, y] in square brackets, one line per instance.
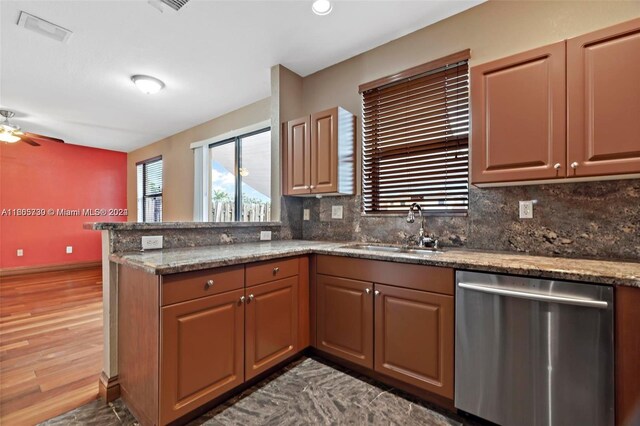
[149, 188]
[415, 139]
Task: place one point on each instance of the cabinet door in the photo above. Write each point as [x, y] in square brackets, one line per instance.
[324, 151]
[603, 95]
[298, 157]
[272, 325]
[202, 352]
[345, 319]
[414, 338]
[518, 117]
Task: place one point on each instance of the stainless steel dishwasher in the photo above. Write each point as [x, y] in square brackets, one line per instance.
[534, 352]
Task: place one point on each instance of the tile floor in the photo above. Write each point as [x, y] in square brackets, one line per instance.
[309, 391]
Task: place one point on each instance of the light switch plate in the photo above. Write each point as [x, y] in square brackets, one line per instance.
[526, 209]
[306, 214]
[69, 249]
[336, 212]
[19, 252]
[265, 235]
[152, 243]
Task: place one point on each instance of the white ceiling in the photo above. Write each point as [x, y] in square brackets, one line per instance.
[214, 56]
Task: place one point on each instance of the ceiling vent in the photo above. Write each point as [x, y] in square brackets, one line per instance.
[175, 4]
[43, 27]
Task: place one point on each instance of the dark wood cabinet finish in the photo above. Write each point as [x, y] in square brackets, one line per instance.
[202, 352]
[192, 285]
[297, 157]
[320, 154]
[271, 334]
[603, 96]
[627, 353]
[345, 319]
[270, 270]
[414, 338]
[518, 109]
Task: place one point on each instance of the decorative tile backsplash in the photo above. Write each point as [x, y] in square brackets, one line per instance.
[589, 219]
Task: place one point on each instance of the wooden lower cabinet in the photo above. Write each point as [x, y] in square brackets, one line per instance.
[345, 319]
[271, 334]
[414, 337]
[202, 352]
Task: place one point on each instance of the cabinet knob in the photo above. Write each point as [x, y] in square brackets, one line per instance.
[367, 290]
[557, 166]
[306, 187]
[276, 270]
[208, 285]
[574, 165]
[376, 293]
[251, 297]
[242, 298]
[312, 187]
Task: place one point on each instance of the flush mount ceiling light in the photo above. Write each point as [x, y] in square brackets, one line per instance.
[147, 84]
[322, 7]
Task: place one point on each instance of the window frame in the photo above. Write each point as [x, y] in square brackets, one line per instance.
[145, 164]
[435, 66]
[237, 166]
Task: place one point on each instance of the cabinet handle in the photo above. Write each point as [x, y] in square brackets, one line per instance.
[251, 297]
[208, 285]
[557, 166]
[242, 298]
[574, 165]
[276, 270]
[367, 290]
[376, 293]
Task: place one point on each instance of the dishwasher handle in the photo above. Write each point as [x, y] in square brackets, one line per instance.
[539, 297]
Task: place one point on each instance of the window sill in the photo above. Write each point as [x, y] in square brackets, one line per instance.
[134, 226]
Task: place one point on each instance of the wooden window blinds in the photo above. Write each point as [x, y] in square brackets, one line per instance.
[416, 139]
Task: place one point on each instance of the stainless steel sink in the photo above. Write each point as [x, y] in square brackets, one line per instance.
[392, 249]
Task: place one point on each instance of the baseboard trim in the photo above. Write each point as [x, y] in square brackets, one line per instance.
[23, 270]
[108, 388]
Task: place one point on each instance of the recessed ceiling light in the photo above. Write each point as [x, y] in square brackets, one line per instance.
[147, 84]
[322, 7]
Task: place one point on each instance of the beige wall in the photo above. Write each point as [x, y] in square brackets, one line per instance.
[491, 30]
[178, 159]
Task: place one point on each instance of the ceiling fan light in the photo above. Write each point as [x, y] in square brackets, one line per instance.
[322, 7]
[147, 84]
[8, 137]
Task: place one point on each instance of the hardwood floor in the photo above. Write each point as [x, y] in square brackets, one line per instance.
[50, 343]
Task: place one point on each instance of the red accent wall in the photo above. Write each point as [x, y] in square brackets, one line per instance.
[57, 176]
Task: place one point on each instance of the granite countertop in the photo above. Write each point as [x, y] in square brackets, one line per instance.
[171, 261]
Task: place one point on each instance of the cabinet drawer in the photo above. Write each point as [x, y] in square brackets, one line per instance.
[262, 272]
[192, 285]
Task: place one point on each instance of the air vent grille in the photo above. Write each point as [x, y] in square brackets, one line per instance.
[42, 27]
[175, 4]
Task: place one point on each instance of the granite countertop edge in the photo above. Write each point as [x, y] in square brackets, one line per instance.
[148, 226]
[198, 258]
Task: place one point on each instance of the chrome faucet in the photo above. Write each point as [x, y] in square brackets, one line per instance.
[423, 241]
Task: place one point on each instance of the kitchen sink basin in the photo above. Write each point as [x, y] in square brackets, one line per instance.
[392, 249]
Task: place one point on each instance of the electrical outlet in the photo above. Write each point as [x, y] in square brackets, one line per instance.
[526, 209]
[19, 252]
[152, 243]
[336, 212]
[306, 214]
[265, 235]
[69, 249]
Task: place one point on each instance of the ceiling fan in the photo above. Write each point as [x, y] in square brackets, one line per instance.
[11, 133]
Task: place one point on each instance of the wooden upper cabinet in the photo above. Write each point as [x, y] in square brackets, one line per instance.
[202, 352]
[298, 158]
[271, 325]
[345, 319]
[414, 338]
[603, 95]
[326, 163]
[518, 117]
